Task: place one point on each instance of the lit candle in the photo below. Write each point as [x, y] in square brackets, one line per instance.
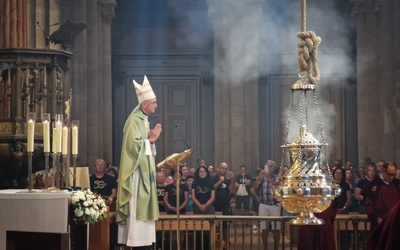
[65, 135]
[75, 140]
[54, 140]
[46, 136]
[57, 137]
[46, 132]
[31, 135]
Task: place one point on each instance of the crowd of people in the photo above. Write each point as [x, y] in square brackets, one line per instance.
[203, 190]
[372, 189]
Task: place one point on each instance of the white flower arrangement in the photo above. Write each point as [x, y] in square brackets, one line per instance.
[87, 206]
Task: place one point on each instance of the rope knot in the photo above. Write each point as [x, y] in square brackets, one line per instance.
[307, 50]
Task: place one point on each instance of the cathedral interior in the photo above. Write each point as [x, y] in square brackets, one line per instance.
[222, 72]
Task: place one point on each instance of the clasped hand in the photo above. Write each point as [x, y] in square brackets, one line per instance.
[153, 134]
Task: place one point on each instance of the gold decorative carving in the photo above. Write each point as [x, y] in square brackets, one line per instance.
[18, 128]
[5, 128]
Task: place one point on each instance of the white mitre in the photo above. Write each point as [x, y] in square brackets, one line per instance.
[144, 92]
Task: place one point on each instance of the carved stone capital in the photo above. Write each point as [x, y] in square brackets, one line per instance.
[107, 10]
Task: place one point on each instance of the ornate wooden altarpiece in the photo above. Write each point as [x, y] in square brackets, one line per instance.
[31, 80]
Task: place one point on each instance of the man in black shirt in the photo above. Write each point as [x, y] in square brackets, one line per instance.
[223, 188]
[103, 184]
[242, 183]
[160, 178]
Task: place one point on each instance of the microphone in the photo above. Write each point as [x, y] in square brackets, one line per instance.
[177, 129]
[45, 30]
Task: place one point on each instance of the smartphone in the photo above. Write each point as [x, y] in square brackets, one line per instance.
[266, 168]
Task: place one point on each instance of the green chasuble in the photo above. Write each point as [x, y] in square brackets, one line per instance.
[133, 157]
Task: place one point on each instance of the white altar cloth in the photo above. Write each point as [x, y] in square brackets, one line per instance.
[32, 212]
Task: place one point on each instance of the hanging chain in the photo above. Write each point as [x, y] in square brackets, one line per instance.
[301, 109]
[306, 107]
[286, 135]
[322, 132]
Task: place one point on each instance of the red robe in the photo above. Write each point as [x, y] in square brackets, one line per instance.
[386, 234]
[319, 237]
[380, 198]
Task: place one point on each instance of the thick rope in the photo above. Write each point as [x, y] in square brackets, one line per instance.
[303, 16]
[307, 49]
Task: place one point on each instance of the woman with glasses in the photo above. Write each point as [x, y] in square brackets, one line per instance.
[203, 192]
[343, 200]
[203, 196]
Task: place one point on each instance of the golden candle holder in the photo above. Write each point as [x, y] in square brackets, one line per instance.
[31, 118]
[75, 134]
[57, 145]
[46, 147]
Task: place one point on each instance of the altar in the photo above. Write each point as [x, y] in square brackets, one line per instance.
[44, 212]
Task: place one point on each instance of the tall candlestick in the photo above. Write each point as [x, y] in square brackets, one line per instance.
[30, 142]
[46, 132]
[44, 77]
[31, 131]
[46, 170]
[65, 140]
[27, 74]
[30, 180]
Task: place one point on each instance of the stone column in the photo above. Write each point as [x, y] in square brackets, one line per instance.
[94, 81]
[77, 10]
[108, 15]
[236, 25]
[396, 20]
[386, 79]
[359, 16]
[13, 23]
[369, 125]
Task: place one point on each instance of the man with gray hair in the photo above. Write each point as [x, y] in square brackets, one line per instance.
[137, 203]
[103, 184]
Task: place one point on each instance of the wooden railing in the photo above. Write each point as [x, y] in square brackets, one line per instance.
[351, 231]
[207, 232]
